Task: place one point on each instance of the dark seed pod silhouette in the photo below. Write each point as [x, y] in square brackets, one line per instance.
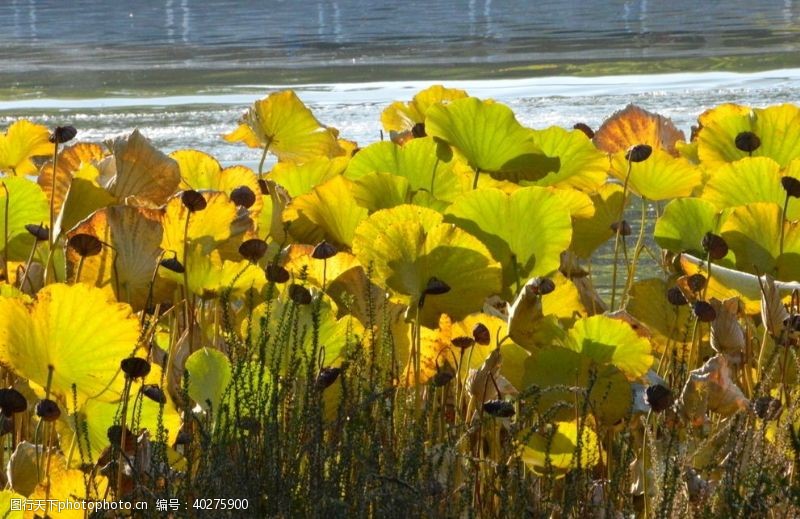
[792, 323]
[47, 410]
[767, 408]
[638, 153]
[659, 397]
[696, 282]
[704, 311]
[442, 377]
[436, 287]
[183, 437]
[541, 286]
[85, 245]
[253, 249]
[418, 130]
[463, 342]
[277, 274]
[63, 134]
[747, 142]
[154, 393]
[193, 201]
[499, 408]
[791, 185]
[172, 264]
[40, 232]
[299, 294]
[326, 377]
[135, 367]
[585, 128]
[263, 186]
[12, 401]
[243, 196]
[324, 250]
[481, 334]
[715, 245]
[623, 227]
[676, 297]
[114, 435]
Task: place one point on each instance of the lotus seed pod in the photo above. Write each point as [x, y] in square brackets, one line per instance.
[299, 294]
[499, 408]
[40, 232]
[154, 393]
[463, 342]
[704, 311]
[47, 410]
[193, 201]
[623, 227]
[85, 245]
[791, 185]
[277, 274]
[583, 127]
[747, 142]
[715, 245]
[436, 287]
[253, 249]
[173, 264]
[63, 134]
[135, 367]
[326, 377]
[481, 334]
[324, 250]
[243, 196]
[659, 397]
[676, 297]
[12, 401]
[638, 153]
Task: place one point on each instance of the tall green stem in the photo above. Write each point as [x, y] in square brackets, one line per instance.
[618, 234]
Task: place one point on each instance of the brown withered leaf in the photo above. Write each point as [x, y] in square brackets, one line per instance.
[142, 171]
[634, 125]
[69, 161]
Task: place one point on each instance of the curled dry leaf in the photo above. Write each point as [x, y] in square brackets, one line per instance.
[710, 388]
[773, 313]
[727, 335]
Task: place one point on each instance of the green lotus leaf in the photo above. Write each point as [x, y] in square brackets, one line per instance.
[589, 233]
[407, 246]
[684, 223]
[491, 139]
[400, 116]
[565, 376]
[209, 377]
[329, 212]
[380, 191]
[417, 161]
[559, 450]
[611, 341]
[660, 177]
[299, 179]
[582, 165]
[777, 127]
[27, 205]
[748, 180]
[526, 231]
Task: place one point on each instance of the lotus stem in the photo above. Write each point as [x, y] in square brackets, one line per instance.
[78, 270]
[187, 293]
[619, 233]
[123, 419]
[263, 158]
[5, 230]
[28, 263]
[783, 227]
[475, 180]
[53, 194]
[636, 252]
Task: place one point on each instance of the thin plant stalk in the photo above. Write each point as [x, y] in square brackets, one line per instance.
[618, 234]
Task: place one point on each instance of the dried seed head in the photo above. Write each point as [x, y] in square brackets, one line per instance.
[499, 408]
[747, 142]
[135, 367]
[85, 245]
[253, 249]
[47, 410]
[436, 287]
[326, 377]
[540, 286]
[481, 334]
[659, 397]
[299, 294]
[715, 245]
[243, 196]
[277, 274]
[623, 227]
[443, 376]
[767, 408]
[791, 185]
[173, 264]
[40, 232]
[12, 401]
[193, 201]
[638, 153]
[324, 250]
[696, 282]
[585, 128]
[63, 134]
[704, 311]
[418, 130]
[463, 342]
[114, 435]
[676, 297]
[154, 393]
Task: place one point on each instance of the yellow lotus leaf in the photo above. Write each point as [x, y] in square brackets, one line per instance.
[328, 212]
[375, 191]
[202, 172]
[23, 140]
[401, 116]
[775, 126]
[66, 485]
[648, 303]
[634, 125]
[299, 179]
[748, 180]
[125, 266]
[565, 301]
[69, 163]
[209, 275]
[582, 166]
[75, 330]
[283, 125]
[684, 223]
[526, 231]
[417, 161]
[660, 177]
[490, 138]
[141, 171]
[559, 449]
[298, 259]
[84, 195]
[6, 510]
[589, 233]
[408, 246]
[209, 227]
[27, 205]
[269, 219]
[611, 341]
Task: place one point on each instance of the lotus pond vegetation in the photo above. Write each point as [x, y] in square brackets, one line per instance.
[470, 318]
